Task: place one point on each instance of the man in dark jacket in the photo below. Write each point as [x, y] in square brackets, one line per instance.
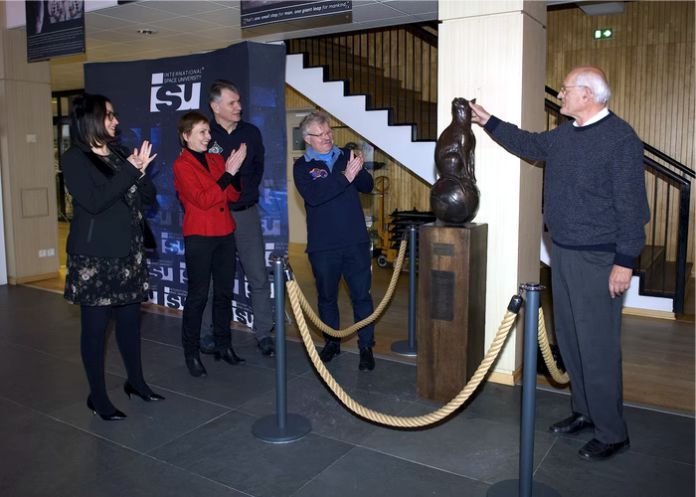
[228, 131]
[330, 180]
[595, 207]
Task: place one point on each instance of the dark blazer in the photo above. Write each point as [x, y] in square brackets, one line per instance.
[206, 209]
[101, 223]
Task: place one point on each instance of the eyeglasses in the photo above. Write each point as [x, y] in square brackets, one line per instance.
[564, 89]
[111, 115]
[325, 134]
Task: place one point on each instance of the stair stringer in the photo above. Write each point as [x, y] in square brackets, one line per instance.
[372, 125]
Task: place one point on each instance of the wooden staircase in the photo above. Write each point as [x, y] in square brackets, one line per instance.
[394, 69]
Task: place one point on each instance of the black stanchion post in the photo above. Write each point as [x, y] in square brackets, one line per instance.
[525, 486]
[408, 347]
[281, 427]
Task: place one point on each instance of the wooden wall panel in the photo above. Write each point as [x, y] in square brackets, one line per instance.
[650, 66]
[28, 173]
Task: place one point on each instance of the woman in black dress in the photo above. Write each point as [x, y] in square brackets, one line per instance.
[106, 268]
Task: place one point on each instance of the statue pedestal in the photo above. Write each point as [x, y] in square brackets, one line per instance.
[451, 307]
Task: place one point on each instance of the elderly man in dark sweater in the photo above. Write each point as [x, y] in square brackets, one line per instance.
[330, 180]
[595, 208]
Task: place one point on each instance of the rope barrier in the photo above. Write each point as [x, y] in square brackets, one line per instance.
[307, 308]
[556, 374]
[294, 293]
[300, 307]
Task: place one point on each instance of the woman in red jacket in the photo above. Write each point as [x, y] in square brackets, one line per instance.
[205, 184]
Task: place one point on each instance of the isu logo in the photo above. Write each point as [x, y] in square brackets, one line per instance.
[174, 91]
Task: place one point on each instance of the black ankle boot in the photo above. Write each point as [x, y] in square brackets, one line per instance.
[331, 348]
[195, 366]
[367, 360]
[228, 355]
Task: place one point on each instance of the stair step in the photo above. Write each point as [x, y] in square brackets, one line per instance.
[661, 279]
[406, 106]
[650, 256]
[397, 141]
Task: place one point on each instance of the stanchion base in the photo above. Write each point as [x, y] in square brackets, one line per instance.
[511, 488]
[267, 428]
[403, 348]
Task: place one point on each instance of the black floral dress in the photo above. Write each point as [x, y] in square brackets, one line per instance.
[103, 281]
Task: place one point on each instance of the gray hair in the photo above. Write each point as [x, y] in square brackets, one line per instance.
[215, 91]
[595, 81]
[316, 117]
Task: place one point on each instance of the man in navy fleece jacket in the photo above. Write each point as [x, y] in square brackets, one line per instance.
[330, 180]
[595, 208]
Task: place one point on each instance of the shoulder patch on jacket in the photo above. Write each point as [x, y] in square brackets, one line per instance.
[215, 149]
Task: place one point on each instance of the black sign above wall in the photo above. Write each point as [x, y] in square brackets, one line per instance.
[304, 14]
[54, 27]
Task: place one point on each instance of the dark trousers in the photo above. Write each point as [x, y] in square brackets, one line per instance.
[588, 329]
[94, 320]
[208, 256]
[354, 264]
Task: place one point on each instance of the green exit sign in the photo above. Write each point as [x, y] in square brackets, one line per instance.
[603, 34]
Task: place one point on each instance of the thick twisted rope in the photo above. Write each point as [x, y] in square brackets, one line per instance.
[387, 419]
[369, 319]
[556, 374]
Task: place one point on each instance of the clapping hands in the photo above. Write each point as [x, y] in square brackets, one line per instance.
[354, 166]
[142, 158]
[236, 159]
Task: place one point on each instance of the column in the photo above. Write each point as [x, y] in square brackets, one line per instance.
[495, 51]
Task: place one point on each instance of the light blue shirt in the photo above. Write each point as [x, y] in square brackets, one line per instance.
[328, 158]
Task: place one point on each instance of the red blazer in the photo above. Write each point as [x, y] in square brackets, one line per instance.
[206, 209]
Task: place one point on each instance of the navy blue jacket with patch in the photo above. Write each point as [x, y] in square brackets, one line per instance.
[334, 215]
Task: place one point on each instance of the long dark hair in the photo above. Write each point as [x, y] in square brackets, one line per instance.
[87, 121]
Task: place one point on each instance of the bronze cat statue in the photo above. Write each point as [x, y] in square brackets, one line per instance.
[458, 139]
[454, 198]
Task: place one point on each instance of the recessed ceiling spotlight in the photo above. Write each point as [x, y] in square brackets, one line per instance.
[147, 31]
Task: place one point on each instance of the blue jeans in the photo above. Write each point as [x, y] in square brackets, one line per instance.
[354, 264]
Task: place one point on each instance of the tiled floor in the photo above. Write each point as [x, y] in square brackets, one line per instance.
[199, 442]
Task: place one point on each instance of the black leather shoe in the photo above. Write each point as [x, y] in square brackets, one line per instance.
[195, 366]
[228, 355]
[267, 347]
[116, 415]
[331, 348]
[367, 360]
[594, 450]
[575, 423]
[148, 397]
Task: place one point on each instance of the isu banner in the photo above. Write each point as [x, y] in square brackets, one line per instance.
[150, 96]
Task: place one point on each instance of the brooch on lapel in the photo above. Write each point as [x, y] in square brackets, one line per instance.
[215, 149]
[317, 173]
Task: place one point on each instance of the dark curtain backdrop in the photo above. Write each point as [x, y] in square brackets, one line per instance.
[150, 96]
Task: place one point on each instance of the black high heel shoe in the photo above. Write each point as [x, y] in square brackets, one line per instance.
[130, 390]
[114, 416]
[229, 356]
